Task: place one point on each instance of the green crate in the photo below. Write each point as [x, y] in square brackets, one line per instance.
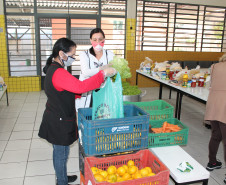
[158, 109]
[167, 139]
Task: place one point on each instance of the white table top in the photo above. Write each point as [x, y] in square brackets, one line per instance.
[172, 156]
[198, 92]
[2, 92]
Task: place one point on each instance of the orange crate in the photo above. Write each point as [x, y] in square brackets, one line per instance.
[82, 179]
[142, 159]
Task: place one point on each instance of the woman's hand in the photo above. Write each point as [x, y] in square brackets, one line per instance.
[105, 66]
[109, 72]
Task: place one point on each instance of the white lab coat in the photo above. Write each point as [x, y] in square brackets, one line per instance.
[89, 67]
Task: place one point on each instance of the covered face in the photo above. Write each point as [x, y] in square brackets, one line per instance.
[97, 41]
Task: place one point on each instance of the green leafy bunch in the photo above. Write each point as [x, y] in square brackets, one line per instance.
[128, 89]
[121, 65]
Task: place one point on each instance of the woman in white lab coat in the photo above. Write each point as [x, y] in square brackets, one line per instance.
[92, 61]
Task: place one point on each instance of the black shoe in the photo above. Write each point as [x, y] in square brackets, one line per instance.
[72, 178]
[225, 180]
[211, 167]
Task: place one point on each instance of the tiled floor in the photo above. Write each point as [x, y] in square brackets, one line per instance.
[25, 159]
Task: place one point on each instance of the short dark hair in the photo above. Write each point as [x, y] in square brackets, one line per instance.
[96, 30]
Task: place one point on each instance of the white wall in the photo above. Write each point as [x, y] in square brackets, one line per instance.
[199, 2]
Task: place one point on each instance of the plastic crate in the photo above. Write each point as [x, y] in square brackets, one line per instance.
[82, 179]
[143, 158]
[158, 109]
[168, 139]
[106, 136]
[81, 159]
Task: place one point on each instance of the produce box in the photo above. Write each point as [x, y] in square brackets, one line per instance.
[81, 159]
[82, 179]
[168, 139]
[106, 136]
[143, 158]
[158, 109]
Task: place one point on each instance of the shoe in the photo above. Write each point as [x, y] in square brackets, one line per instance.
[225, 180]
[72, 178]
[211, 167]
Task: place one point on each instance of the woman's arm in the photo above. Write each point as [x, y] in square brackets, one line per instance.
[63, 80]
[85, 66]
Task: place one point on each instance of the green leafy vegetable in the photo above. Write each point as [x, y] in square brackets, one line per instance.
[128, 89]
[121, 65]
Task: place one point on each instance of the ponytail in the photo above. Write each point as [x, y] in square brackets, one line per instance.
[48, 63]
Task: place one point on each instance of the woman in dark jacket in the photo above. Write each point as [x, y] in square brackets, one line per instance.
[59, 119]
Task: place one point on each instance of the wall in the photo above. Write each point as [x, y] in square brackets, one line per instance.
[136, 57]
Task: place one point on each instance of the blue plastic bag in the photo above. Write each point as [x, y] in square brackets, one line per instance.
[108, 101]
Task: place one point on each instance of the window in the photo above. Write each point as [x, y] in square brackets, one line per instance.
[179, 27]
[30, 42]
[21, 43]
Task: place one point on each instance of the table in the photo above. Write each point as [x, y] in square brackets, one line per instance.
[4, 92]
[172, 156]
[198, 93]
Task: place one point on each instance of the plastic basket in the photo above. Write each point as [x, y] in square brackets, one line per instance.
[158, 109]
[143, 158]
[81, 160]
[82, 179]
[168, 139]
[106, 136]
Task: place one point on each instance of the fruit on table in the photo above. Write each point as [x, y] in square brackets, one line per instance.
[122, 173]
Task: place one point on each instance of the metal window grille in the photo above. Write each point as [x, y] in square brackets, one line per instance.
[48, 30]
[179, 27]
[21, 44]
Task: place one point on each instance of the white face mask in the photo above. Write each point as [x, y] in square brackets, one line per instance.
[69, 60]
[98, 47]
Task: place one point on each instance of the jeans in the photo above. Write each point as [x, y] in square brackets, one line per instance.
[60, 157]
[218, 134]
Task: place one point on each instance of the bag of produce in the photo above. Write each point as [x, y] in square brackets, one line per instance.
[108, 101]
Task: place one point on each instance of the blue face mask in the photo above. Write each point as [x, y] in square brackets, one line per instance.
[69, 60]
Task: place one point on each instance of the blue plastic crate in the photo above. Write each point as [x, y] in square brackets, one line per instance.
[106, 136]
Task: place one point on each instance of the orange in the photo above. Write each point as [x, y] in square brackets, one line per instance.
[99, 178]
[144, 172]
[119, 179]
[104, 173]
[151, 174]
[121, 171]
[137, 176]
[130, 163]
[132, 170]
[126, 167]
[111, 170]
[126, 176]
[94, 170]
[112, 178]
[149, 169]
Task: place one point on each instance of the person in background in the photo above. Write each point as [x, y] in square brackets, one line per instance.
[215, 113]
[92, 61]
[58, 124]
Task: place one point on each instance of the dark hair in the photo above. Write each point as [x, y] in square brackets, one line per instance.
[95, 30]
[62, 44]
